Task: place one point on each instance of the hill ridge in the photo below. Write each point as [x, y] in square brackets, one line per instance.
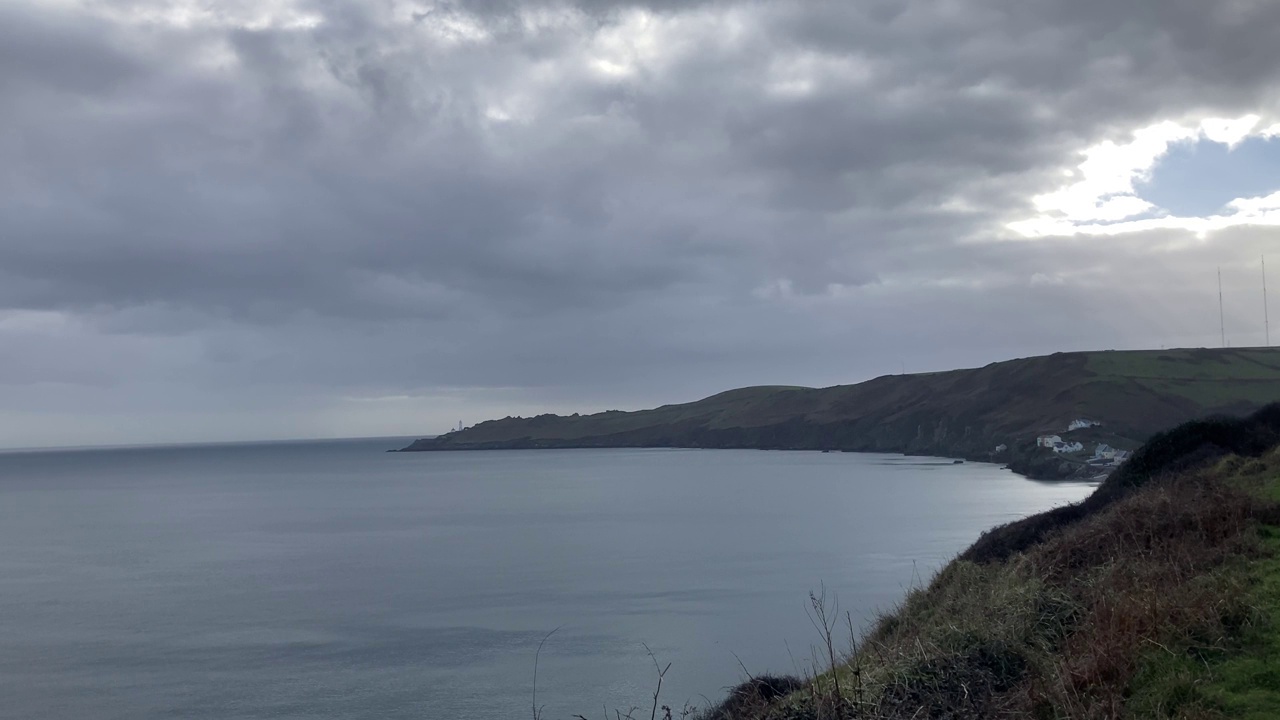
[994, 412]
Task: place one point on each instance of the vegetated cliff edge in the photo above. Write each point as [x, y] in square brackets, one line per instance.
[1156, 597]
[959, 413]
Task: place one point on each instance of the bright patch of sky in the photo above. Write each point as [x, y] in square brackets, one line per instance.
[1200, 177]
[1218, 173]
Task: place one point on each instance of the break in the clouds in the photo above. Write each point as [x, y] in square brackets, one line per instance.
[340, 217]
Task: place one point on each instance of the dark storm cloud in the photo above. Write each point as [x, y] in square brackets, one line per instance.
[594, 202]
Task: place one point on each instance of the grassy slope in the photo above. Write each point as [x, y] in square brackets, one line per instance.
[1161, 599]
[962, 412]
[1245, 684]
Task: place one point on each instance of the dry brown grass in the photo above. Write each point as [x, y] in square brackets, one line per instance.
[1157, 571]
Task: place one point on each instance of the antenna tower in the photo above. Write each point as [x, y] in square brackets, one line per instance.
[1222, 322]
[1266, 313]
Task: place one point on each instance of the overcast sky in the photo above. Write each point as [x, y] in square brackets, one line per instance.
[274, 218]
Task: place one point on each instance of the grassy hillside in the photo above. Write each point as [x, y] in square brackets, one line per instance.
[965, 413]
[1158, 597]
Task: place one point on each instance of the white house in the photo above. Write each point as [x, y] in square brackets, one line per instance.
[1082, 423]
[1065, 447]
[1048, 441]
[1104, 451]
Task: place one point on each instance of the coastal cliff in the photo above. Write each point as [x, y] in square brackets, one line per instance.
[1156, 597]
[996, 413]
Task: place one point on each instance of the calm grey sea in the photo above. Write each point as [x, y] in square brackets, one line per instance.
[334, 580]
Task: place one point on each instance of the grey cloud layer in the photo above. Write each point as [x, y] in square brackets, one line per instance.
[582, 196]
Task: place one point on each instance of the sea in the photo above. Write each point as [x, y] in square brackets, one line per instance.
[332, 579]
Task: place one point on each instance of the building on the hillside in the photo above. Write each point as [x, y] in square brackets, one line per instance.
[1082, 423]
[1104, 451]
[1067, 447]
[1000, 448]
[1048, 441]
[1110, 459]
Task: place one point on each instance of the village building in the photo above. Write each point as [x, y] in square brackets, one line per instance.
[1106, 456]
[1082, 423]
[1048, 441]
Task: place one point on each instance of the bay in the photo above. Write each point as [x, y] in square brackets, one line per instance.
[330, 579]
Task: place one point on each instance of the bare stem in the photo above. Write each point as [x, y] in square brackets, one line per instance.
[537, 711]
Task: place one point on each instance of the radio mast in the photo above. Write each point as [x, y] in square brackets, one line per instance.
[1222, 322]
[1266, 312]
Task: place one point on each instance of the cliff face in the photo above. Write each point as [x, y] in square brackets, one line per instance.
[961, 413]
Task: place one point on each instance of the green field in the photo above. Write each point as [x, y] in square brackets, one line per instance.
[1205, 377]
